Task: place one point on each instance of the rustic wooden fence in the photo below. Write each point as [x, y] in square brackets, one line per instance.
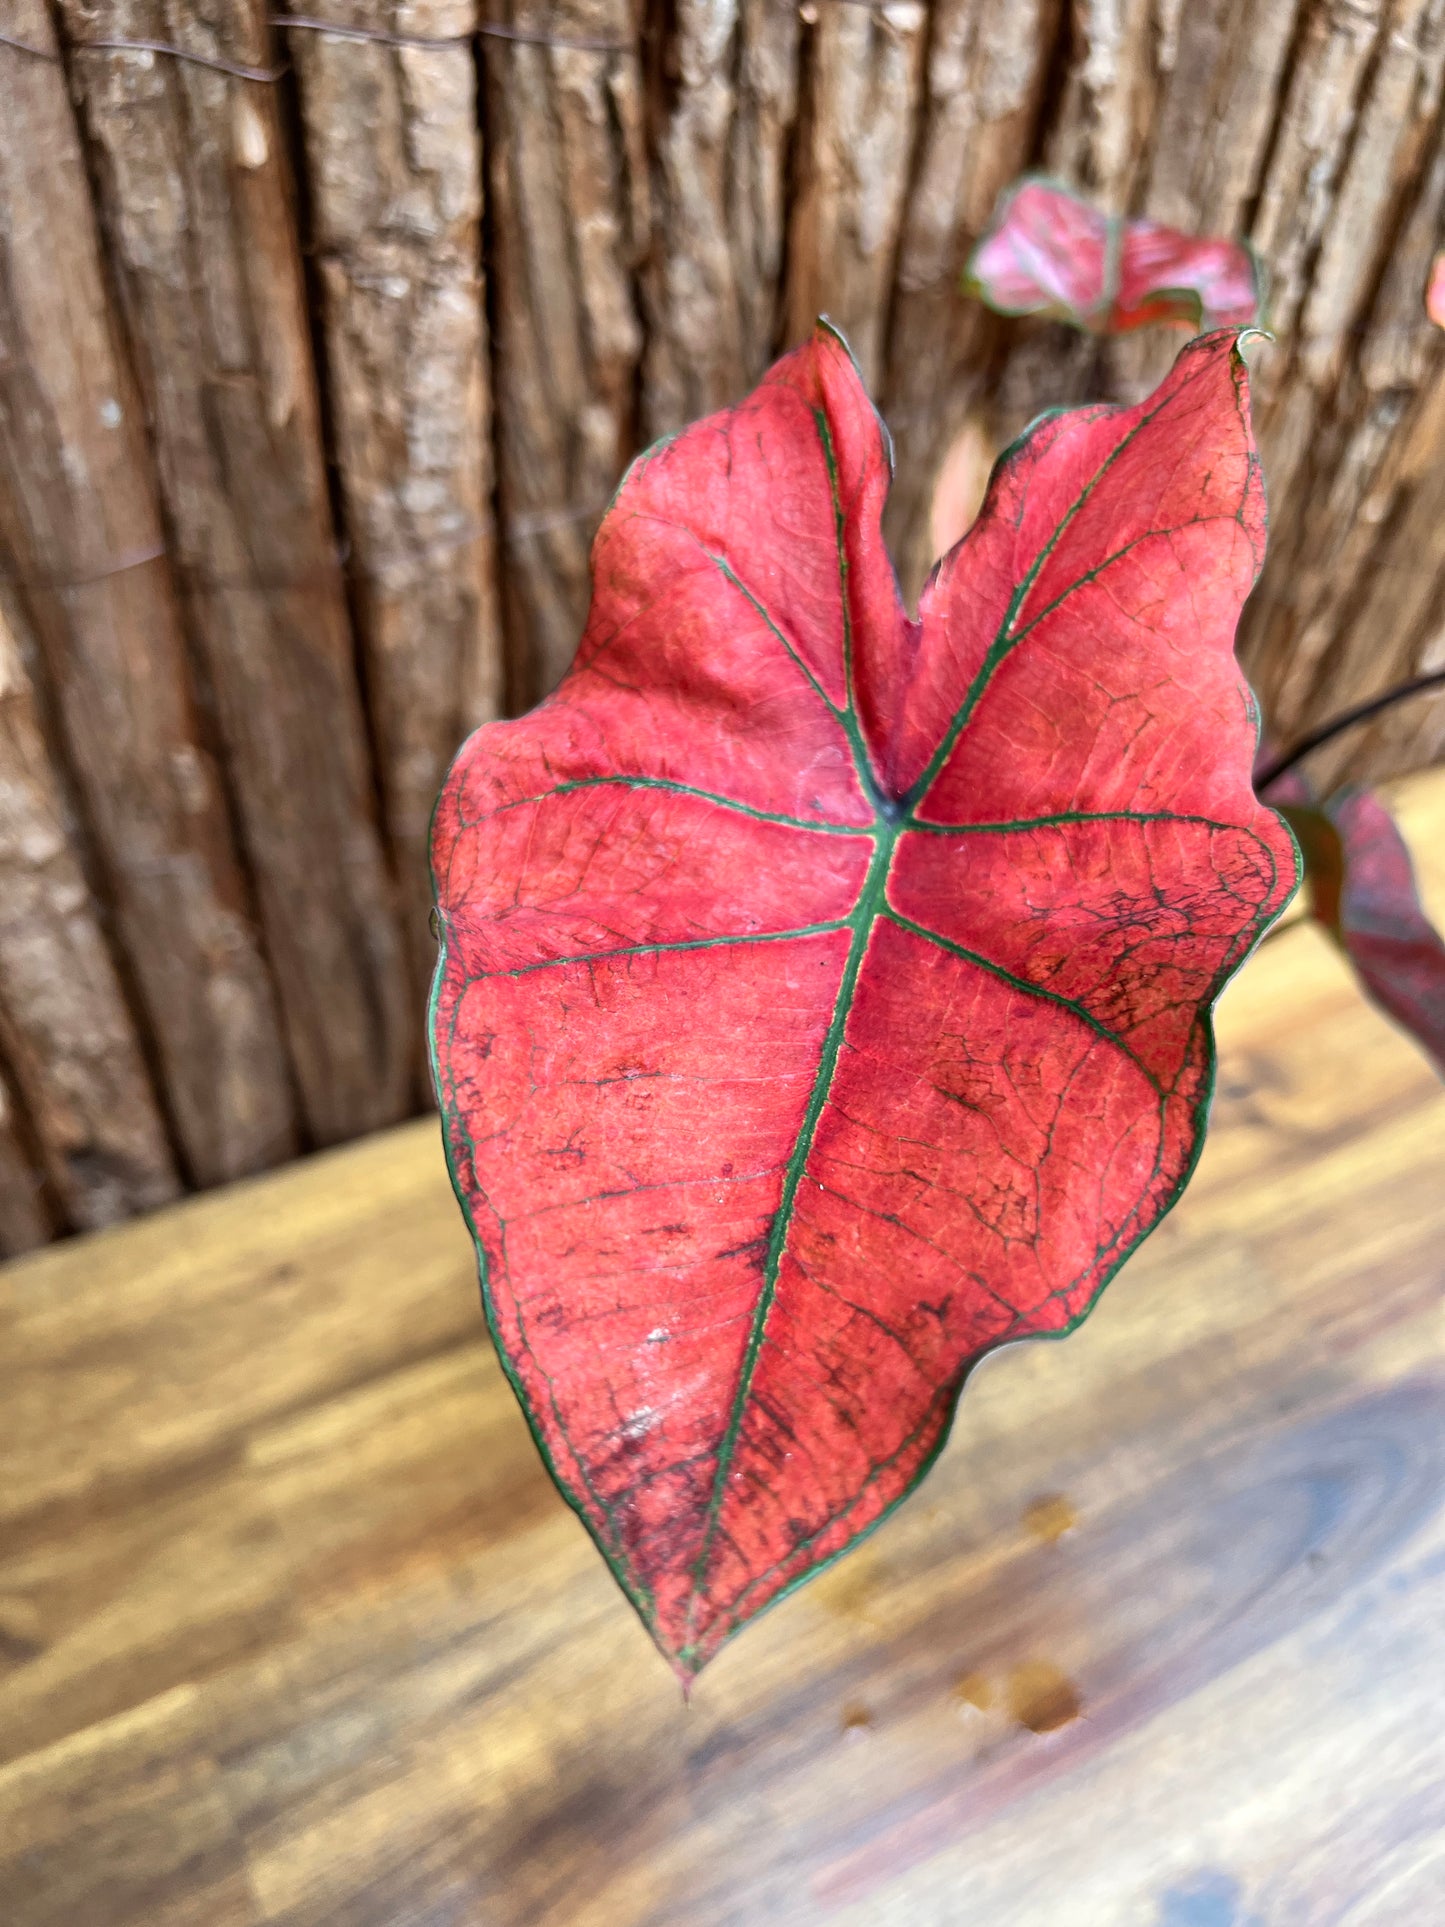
[321, 352]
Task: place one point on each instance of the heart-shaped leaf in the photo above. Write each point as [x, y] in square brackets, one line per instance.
[1362, 889]
[1048, 251]
[823, 997]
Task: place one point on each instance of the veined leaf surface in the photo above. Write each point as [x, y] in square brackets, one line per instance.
[1050, 252]
[824, 995]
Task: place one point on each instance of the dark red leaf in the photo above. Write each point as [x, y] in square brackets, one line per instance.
[1362, 889]
[824, 995]
[1050, 252]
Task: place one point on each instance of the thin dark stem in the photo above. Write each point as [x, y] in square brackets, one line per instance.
[1347, 718]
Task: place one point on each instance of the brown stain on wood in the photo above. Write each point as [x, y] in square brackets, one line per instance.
[293, 1627]
[1049, 1518]
[976, 1690]
[1041, 1697]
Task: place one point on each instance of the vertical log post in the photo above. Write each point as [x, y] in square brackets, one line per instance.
[725, 104]
[69, 1043]
[394, 151]
[196, 206]
[568, 184]
[84, 545]
[862, 78]
[983, 84]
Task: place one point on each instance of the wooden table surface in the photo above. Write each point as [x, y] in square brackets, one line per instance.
[293, 1628]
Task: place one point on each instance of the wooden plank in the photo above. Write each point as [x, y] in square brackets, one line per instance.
[80, 522]
[70, 1044]
[196, 207]
[395, 179]
[298, 1633]
[567, 181]
[729, 100]
[863, 72]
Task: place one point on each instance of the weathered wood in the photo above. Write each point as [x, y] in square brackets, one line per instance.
[982, 84]
[1099, 131]
[1352, 418]
[863, 71]
[82, 534]
[729, 97]
[395, 178]
[27, 1217]
[297, 1630]
[568, 186]
[196, 209]
[70, 1044]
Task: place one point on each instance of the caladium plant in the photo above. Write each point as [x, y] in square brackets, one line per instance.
[1050, 252]
[824, 995]
[1361, 888]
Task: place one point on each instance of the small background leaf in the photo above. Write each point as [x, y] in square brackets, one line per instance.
[1050, 252]
[1362, 889]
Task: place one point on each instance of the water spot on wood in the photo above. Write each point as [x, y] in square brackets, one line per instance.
[975, 1690]
[1050, 1517]
[1042, 1698]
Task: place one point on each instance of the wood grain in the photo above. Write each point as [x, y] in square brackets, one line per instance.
[727, 102]
[394, 152]
[28, 1218]
[982, 91]
[197, 210]
[83, 535]
[568, 184]
[79, 1081]
[861, 84]
[296, 1632]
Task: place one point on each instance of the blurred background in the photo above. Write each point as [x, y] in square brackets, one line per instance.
[321, 354]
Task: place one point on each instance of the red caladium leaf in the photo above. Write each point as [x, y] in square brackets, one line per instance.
[1049, 252]
[1362, 889]
[824, 995]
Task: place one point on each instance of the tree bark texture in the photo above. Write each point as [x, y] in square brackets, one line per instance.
[194, 194]
[85, 549]
[75, 1067]
[568, 179]
[393, 150]
[357, 357]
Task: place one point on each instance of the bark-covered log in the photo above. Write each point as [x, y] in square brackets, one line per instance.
[568, 184]
[394, 153]
[81, 533]
[26, 1218]
[982, 89]
[728, 98]
[71, 1046]
[863, 69]
[1353, 416]
[196, 209]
